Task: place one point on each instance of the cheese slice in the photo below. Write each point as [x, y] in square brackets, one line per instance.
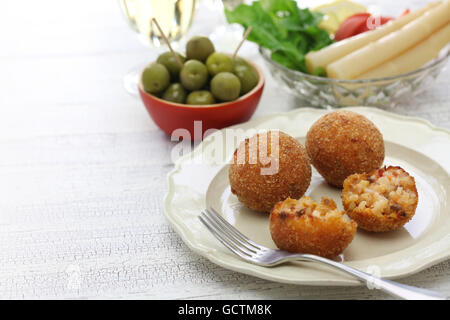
[413, 58]
[380, 51]
[339, 49]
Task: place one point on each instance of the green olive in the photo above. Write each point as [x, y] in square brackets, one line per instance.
[175, 93]
[238, 61]
[155, 78]
[199, 48]
[247, 76]
[193, 75]
[219, 62]
[168, 60]
[201, 97]
[225, 86]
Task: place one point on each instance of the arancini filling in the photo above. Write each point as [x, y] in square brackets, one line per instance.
[387, 191]
[307, 206]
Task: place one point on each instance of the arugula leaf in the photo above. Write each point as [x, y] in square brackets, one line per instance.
[279, 25]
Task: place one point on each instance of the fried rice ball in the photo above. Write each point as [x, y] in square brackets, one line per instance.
[304, 226]
[382, 200]
[342, 143]
[259, 183]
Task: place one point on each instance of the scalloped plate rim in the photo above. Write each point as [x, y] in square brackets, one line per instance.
[254, 270]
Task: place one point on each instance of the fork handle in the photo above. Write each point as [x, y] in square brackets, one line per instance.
[395, 289]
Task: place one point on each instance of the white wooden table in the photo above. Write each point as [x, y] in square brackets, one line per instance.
[82, 168]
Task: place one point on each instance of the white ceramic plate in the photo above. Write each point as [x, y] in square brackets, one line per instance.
[200, 179]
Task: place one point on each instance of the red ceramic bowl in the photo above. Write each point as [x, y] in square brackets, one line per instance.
[170, 116]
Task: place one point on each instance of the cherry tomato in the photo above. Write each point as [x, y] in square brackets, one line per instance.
[351, 25]
[404, 13]
[373, 23]
[359, 23]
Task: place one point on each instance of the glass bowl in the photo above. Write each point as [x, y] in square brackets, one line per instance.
[379, 92]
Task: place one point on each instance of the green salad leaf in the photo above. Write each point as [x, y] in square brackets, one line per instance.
[281, 26]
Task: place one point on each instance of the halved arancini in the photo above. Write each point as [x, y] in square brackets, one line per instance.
[304, 226]
[382, 200]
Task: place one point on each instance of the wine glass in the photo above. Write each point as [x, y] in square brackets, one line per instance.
[173, 16]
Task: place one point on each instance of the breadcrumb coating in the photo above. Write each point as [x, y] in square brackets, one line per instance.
[304, 226]
[259, 191]
[342, 143]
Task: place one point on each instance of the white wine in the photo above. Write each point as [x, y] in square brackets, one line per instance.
[129, 12]
[231, 4]
[173, 16]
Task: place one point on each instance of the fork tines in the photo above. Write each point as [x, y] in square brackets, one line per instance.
[228, 235]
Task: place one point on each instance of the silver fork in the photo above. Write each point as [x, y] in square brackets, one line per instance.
[255, 253]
